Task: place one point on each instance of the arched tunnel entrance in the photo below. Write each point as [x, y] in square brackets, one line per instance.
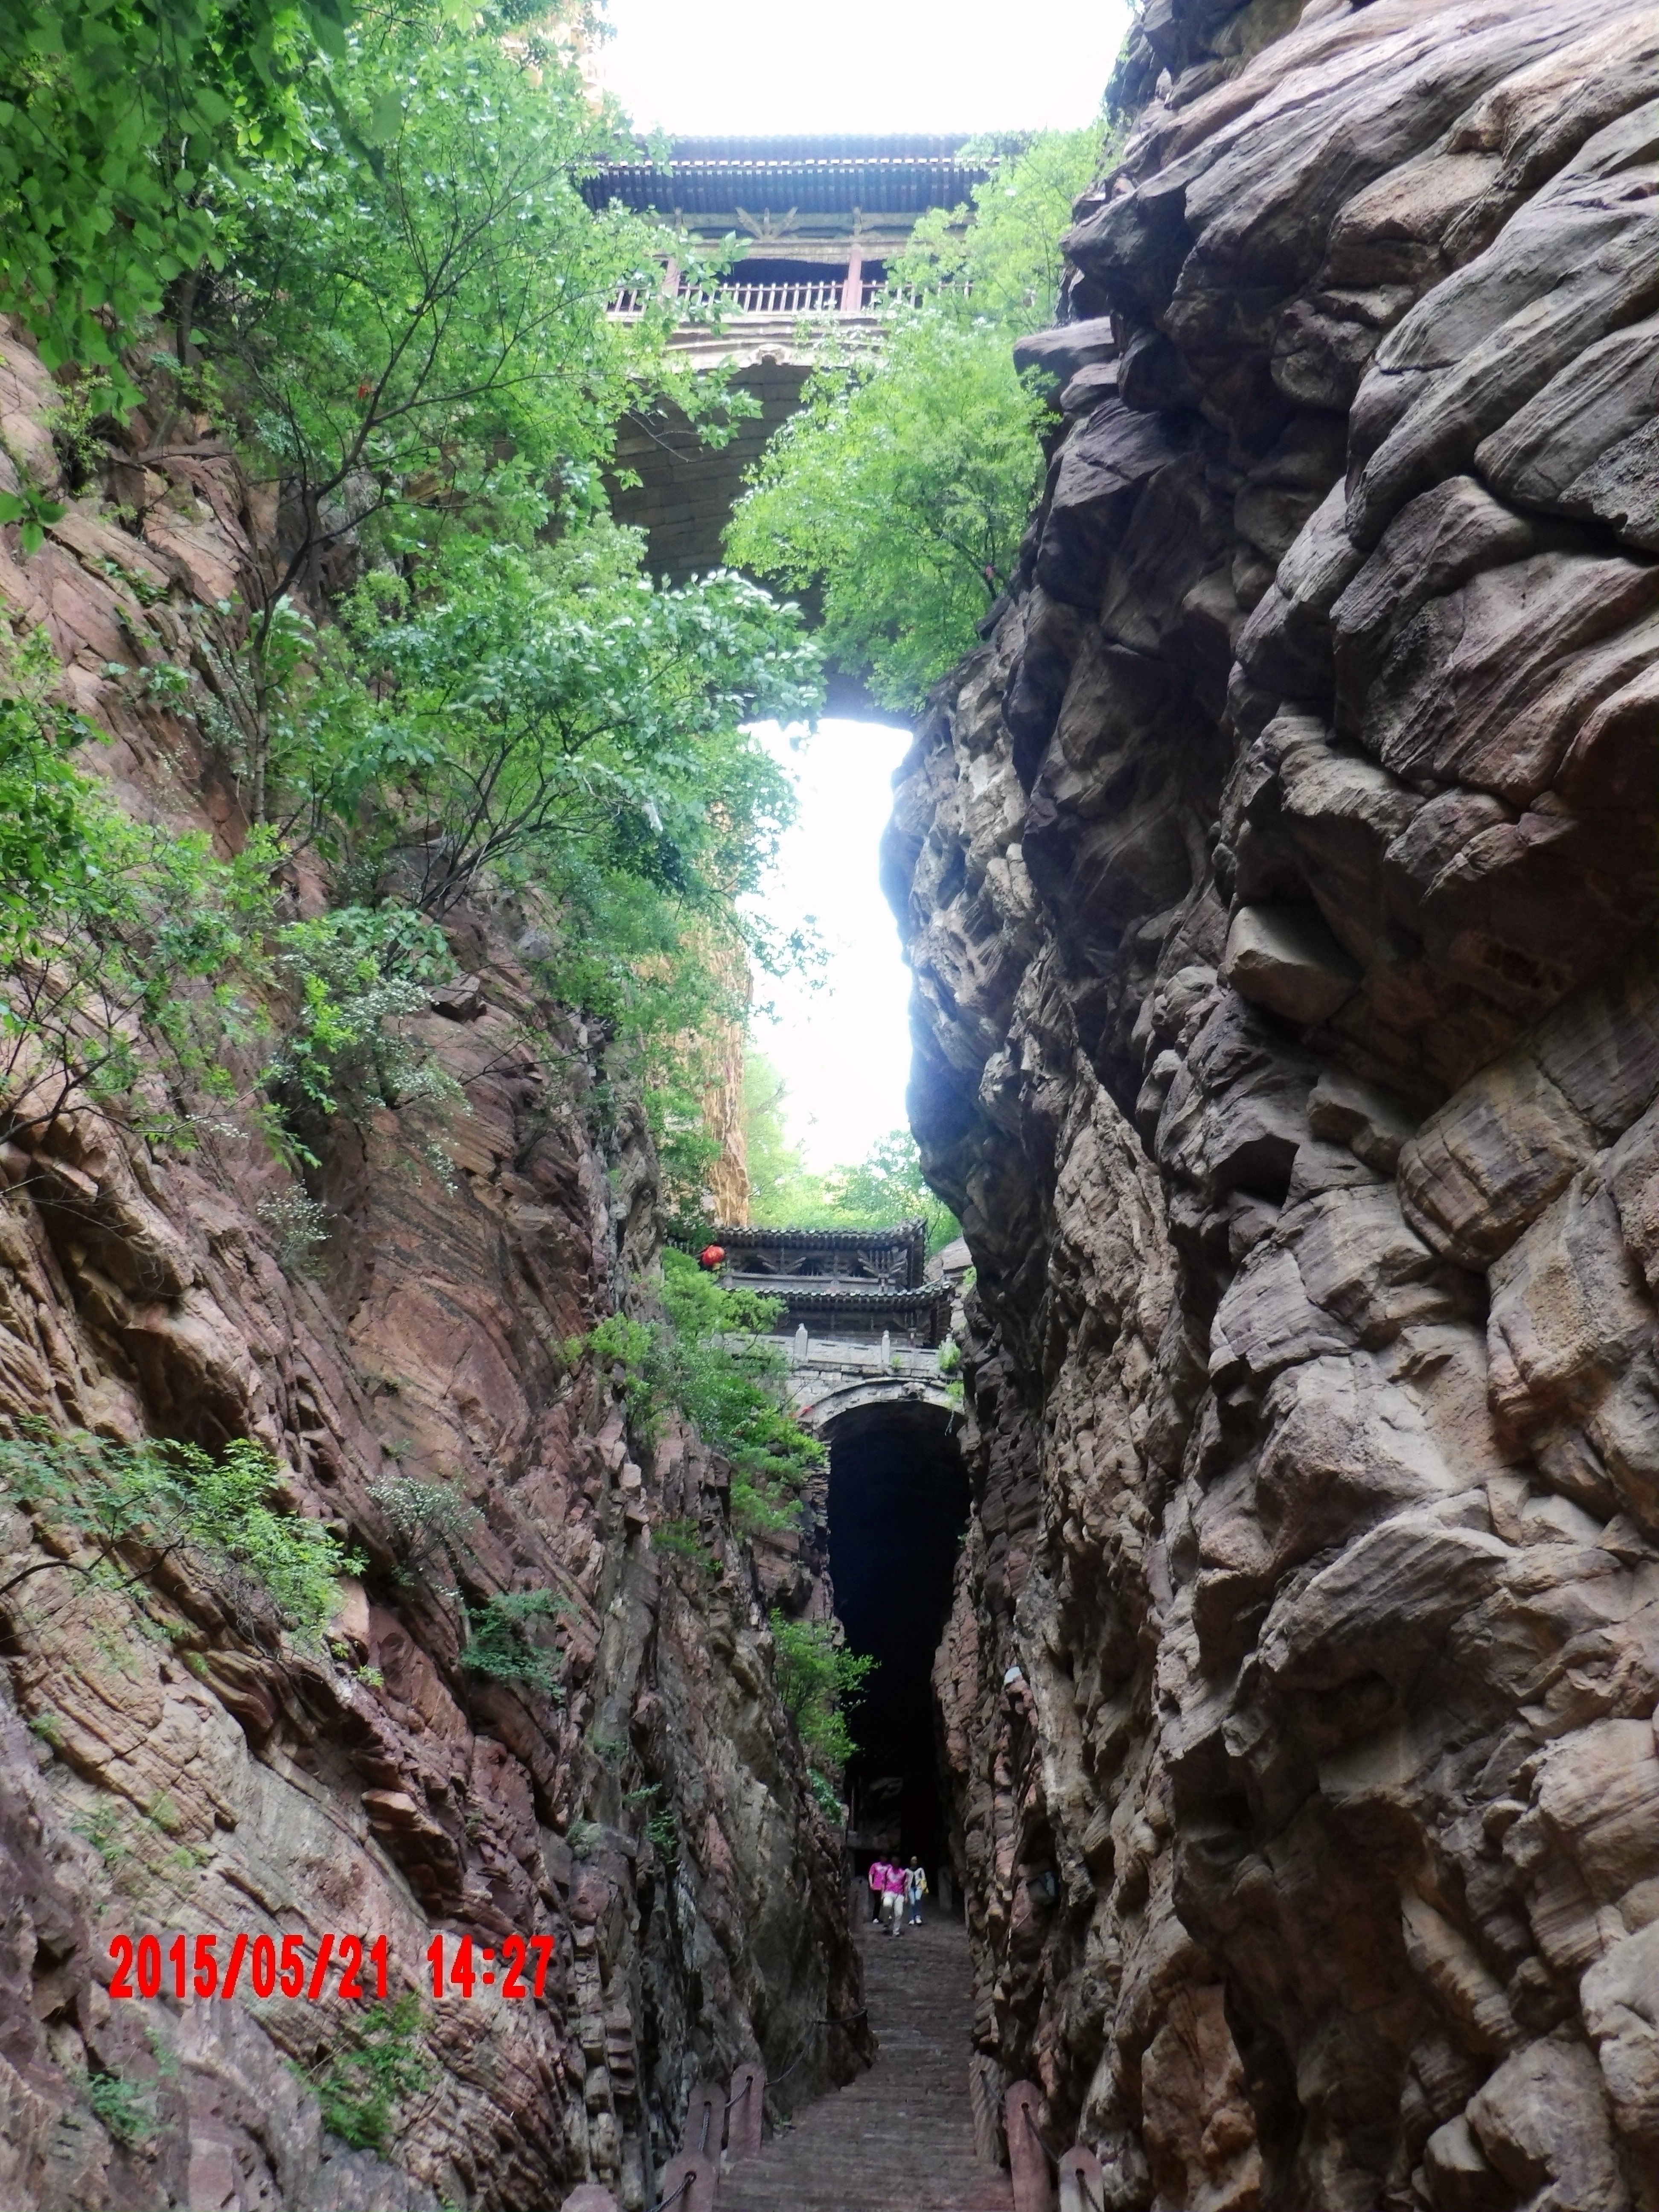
[898, 1510]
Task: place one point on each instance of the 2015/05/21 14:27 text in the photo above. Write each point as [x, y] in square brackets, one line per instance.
[346, 1966]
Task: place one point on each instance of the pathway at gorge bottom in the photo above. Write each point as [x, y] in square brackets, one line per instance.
[899, 2138]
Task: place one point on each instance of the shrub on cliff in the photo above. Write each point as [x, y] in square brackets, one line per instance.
[43, 844]
[818, 1679]
[355, 973]
[381, 2062]
[713, 1360]
[128, 952]
[128, 1508]
[500, 1644]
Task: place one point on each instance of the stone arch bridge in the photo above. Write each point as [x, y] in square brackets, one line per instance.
[865, 1319]
[836, 1388]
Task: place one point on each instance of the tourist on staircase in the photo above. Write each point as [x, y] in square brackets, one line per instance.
[892, 1900]
[878, 1880]
[915, 1888]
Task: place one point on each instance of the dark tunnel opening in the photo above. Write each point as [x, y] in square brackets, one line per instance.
[898, 1510]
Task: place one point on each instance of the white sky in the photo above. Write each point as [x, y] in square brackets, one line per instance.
[843, 1048]
[760, 67]
[765, 67]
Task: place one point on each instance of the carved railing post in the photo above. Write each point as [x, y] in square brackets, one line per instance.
[689, 2183]
[1082, 2186]
[1028, 2156]
[743, 2116]
[592, 2197]
[705, 2121]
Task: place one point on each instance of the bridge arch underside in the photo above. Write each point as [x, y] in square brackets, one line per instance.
[898, 1510]
[680, 490]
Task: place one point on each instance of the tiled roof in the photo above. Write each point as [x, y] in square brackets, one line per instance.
[860, 1295]
[816, 176]
[819, 1239]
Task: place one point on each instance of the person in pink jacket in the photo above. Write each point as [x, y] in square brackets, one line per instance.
[892, 1897]
[878, 1880]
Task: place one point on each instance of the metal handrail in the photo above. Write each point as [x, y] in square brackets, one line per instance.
[1054, 2155]
[842, 2020]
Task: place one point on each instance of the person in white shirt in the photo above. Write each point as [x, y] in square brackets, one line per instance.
[915, 1888]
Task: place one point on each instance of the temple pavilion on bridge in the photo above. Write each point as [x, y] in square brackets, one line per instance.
[856, 1286]
[819, 221]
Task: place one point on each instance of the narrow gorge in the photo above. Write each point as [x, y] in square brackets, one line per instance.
[1277, 878]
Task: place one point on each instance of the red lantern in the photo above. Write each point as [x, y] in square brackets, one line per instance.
[711, 1257]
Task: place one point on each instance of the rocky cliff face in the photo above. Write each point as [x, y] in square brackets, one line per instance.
[161, 1770]
[1277, 882]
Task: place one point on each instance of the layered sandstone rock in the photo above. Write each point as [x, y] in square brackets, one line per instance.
[1279, 883]
[160, 1769]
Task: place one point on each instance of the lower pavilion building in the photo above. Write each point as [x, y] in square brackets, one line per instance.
[860, 1285]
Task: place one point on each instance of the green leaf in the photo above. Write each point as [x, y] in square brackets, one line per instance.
[385, 119]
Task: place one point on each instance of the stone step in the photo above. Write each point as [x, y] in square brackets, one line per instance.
[899, 2138]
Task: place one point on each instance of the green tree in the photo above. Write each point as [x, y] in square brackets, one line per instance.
[783, 1191]
[903, 486]
[998, 259]
[549, 718]
[413, 331]
[499, 1640]
[354, 973]
[117, 120]
[886, 1185]
[382, 278]
[535, 701]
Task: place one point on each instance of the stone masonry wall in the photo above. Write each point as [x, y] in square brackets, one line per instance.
[1278, 881]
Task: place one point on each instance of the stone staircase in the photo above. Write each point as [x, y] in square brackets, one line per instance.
[899, 2138]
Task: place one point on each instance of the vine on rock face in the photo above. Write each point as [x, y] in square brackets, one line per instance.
[818, 1678]
[714, 1361]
